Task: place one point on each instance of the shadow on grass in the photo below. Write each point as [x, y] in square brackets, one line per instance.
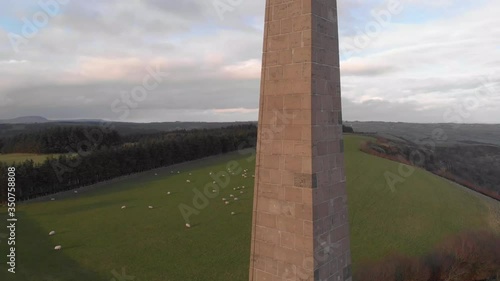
[36, 259]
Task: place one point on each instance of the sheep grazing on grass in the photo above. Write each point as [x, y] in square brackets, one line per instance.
[52, 233]
[241, 192]
[52, 199]
[178, 172]
[223, 199]
[57, 248]
[213, 182]
[188, 181]
[188, 225]
[168, 193]
[151, 207]
[235, 198]
[189, 173]
[123, 207]
[156, 174]
[233, 213]
[230, 195]
[227, 202]
[214, 191]
[76, 191]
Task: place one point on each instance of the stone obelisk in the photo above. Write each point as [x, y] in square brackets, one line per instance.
[300, 224]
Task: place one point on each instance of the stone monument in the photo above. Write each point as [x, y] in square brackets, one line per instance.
[300, 223]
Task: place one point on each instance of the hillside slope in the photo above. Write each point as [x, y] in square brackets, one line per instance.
[417, 213]
[100, 239]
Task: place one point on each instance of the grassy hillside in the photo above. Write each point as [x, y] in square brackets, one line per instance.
[99, 238]
[10, 158]
[412, 217]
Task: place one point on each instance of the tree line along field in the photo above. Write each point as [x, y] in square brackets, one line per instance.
[94, 154]
[99, 239]
[475, 166]
[12, 158]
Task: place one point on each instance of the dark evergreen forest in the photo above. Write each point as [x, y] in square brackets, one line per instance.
[92, 155]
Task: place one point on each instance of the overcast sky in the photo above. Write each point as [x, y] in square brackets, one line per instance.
[429, 61]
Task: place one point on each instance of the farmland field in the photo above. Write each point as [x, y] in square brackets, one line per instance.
[101, 241]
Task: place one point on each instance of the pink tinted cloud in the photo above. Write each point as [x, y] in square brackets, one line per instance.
[249, 69]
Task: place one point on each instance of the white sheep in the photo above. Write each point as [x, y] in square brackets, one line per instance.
[189, 173]
[230, 195]
[188, 181]
[168, 193]
[235, 198]
[151, 207]
[227, 202]
[156, 174]
[233, 213]
[52, 233]
[188, 225]
[123, 207]
[52, 199]
[241, 192]
[213, 182]
[57, 248]
[223, 199]
[76, 191]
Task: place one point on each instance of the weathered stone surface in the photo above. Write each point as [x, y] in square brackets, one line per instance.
[300, 225]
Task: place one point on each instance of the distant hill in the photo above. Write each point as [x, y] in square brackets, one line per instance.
[25, 120]
[413, 132]
[123, 128]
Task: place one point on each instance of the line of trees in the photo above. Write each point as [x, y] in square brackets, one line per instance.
[70, 171]
[56, 140]
[473, 166]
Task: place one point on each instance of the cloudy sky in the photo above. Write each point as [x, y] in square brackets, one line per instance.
[429, 61]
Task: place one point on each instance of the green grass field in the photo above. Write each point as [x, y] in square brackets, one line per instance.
[21, 157]
[100, 239]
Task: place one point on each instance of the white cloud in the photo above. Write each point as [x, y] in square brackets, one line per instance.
[95, 49]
